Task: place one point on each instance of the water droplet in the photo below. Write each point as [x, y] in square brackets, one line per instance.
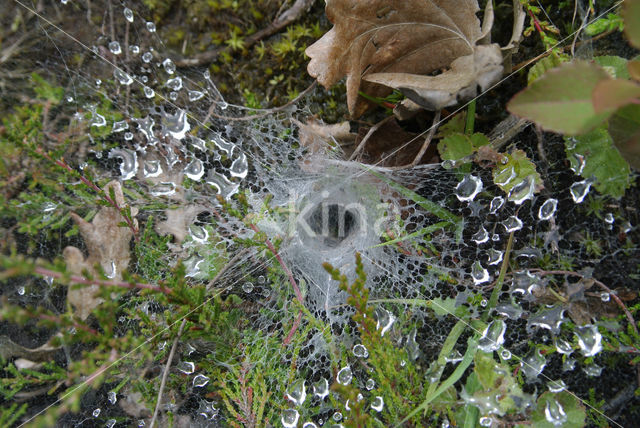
[141, 423]
[147, 57]
[207, 410]
[384, 320]
[98, 82]
[134, 49]
[481, 236]
[173, 96]
[112, 397]
[122, 77]
[195, 95]
[224, 187]
[186, 367]
[512, 224]
[120, 126]
[128, 136]
[493, 336]
[169, 66]
[589, 339]
[21, 290]
[175, 84]
[165, 188]
[337, 416]
[554, 413]
[290, 418]
[321, 389]
[485, 421]
[453, 357]
[478, 273]
[110, 423]
[580, 190]
[605, 297]
[344, 376]
[247, 287]
[239, 168]
[556, 385]
[547, 318]
[200, 381]
[548, 209]
[496, 204]
[495, 256]
[148, 92]
[175, 125]
[195, 170]
[151, 27]
[412, 347]
[609, 218]
[505, 176]
[533, 364]
[445, 423]
[377, 404]
[297, 393]
[522, 191]
[309, 425]
[468, 188]
[569, 365]
[370, 384]
[115, 48]
[128, 14]
[360, 351]
[151, 168]
[505, 354]
[129, 165]
[96, 413]
[577, 163]
[563, 346]
[592, 370]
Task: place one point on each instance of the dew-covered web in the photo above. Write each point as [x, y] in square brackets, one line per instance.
[165, 134]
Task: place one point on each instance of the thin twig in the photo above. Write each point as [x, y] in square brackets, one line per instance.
[165, 374]
[371, 131]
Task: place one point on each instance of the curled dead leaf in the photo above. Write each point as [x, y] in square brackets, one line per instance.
[107, 243]
[381, 36]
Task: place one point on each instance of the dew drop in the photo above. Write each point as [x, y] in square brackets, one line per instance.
[151, 27]
[321, 388]
[148, 92]
[468, 188]
[563, 346]
[297, 393]
[485, 421]
[493, 336]
[370, 384]
[122, 77]
[112, 397]
[377, 404]
[580, 190]
[608, 218]
[478, 273]
[384, 320]
[165, 188]
[360, 351]
[200, 381]
[110, 423]
[239, 168]
[96, 413]
[556, 386]
[147, 57]
[554, 413]
[120, 126]
[186, 367]
[512, 224]
[344, 376]
[247, 287]
[481, 236]
[175, 84]
[195, 95]
[592, 370]
[114, 48]
[195, 170]
[589, 339]
[533, 364]
[522, 191]
[505, 176]
[151, 168]
[548, 209]
[605, 297]
[21, 290]
[505, 354]
[128, 14]
[495, 256]
[169, 66]
[309, 425]
[129, 165]
[337, 416]
[290, 418]
[134, 49]
[496, 204]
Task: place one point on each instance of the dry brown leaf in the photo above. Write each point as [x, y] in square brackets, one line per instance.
[108, 246]
[481, 69]
[317, 136]
[9, 349]
[178, 221]
[382, 36]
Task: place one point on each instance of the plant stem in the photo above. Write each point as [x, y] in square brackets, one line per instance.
[471, 118]
[493, 300]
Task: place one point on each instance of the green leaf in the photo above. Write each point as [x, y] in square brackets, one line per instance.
[601, 161]
[616, 66]
[45, 90]
[457, 146]
[631, 16]
[544, 65]
[498, 385]
[517, 169]
[624, 128]
[571, 406]
[443, 307]
[611, 22]
[560, 101]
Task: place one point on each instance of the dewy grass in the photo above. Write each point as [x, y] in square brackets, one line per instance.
[466, 305]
